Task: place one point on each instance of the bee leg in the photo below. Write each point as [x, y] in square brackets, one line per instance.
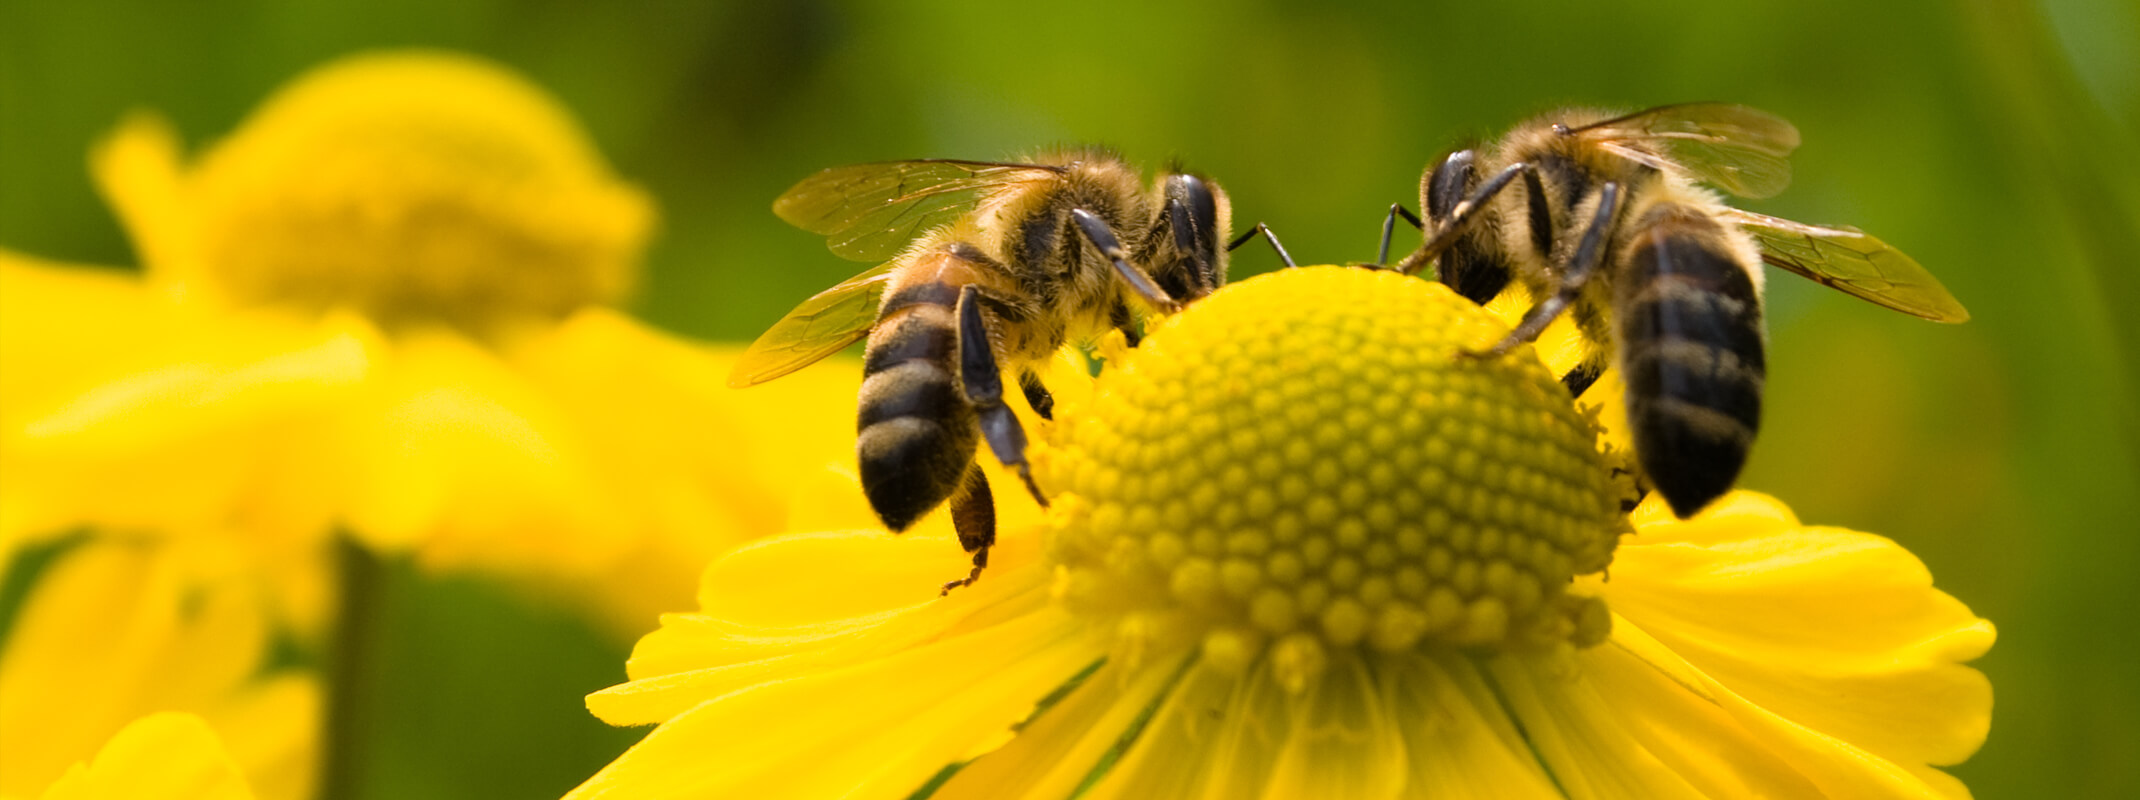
[983, 385]
[1036, 394]
[1389, 226]
[1097, 232]
[1588, 252]
[1459, 218]
[1123, 321]
[1578, 380]
[973, 515]
[1283, 256]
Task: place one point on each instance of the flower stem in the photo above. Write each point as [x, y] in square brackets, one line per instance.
[351, 687]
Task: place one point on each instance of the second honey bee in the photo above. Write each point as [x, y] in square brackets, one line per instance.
[1608, 221]
[991, 268]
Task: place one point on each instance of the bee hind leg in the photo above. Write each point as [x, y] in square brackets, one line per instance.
[982, 383]
[973, 515]
[1588, 252]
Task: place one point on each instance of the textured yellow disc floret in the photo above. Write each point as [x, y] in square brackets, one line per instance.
[1308, 460]
[409, 186]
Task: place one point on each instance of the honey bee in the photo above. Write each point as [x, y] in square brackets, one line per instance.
[987, 267]
[1608, 221]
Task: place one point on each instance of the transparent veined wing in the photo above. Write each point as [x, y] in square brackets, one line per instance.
[867, 212]
[1853, 262]
[824, 324]
[1742, 150]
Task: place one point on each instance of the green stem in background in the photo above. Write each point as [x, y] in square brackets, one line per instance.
[352, 683]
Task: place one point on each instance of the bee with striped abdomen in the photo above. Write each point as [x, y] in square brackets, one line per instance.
[1608, 221]
[992, 267]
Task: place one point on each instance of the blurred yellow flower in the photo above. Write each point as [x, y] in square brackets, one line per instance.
[381, 306]
[1300, 548]
[163, 756]
[115, 629]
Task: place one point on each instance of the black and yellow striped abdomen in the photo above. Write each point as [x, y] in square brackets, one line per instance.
[1690, 346]
[916, 430]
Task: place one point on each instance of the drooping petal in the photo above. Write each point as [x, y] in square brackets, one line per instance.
[198, 423]
[1460, 739]
[1735, 748]
[684, 466]
[1590, 751]
[1072, 742]
[462, 460]
[1838, 631]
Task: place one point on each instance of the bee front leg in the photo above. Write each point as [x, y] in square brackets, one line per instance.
[1283, 256]
[982, 383]
[1389, 226]
[1459, 218]
[1103, 237]
[1588, 253]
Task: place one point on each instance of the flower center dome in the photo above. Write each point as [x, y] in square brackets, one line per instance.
[1309, 460]
[413, 187]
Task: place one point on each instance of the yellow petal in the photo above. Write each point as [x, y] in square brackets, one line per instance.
[1054, 753]
[684, 466]
[1341, 738]
[1712, 734]
[1462, 743]
[199, 422]
[1170, 756]
[1223, 736]
[167, 756]
[137, 170]
[112, 631]
[275, 725]
[1590, 750]
[461, 458]
[696, 656]
[1835, 630]
[876, 729]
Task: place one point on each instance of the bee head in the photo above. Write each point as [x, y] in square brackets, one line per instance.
[1197, 218]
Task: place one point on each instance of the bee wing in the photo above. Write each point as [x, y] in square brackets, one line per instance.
[869, 211]
[1853, 262]
[824, 324]
[1741, 150]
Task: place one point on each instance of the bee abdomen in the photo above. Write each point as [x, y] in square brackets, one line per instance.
[1690, 341]
[916, 431]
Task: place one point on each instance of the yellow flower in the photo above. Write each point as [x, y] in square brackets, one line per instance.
[163, 756]
[381, 306]
[1301, 548]
[117, 629]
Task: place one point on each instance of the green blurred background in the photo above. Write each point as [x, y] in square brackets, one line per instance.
[1999, 143]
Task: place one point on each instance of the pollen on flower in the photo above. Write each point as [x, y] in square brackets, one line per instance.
[1307, 462]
